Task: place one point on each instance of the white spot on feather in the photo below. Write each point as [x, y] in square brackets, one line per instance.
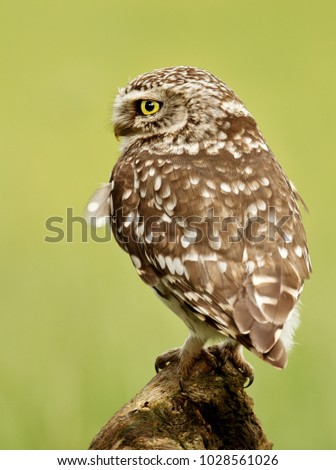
[298, 251]
[170, 205]
[185, 242]
[290, 290]
[252, 209]
[283, 252]
[165, 217]
[129, 219]
[261, 205]
[194, 180]
[191, 296]
[210, 184]
[170, 264]
[200, 316]
[160, 259]
[260, 279]
[178, 266]
[264, 300]
[288, 237]
[250, 265]
[140, 229]
[191, 257]
[225, 188]
[192, 235]
[157, 183]
[265, 181]
[149, 237]
[222, 135]
[165, 192]
[215, 244]
[260, 261]
[136, 261]
[254, 185]
[222, 266]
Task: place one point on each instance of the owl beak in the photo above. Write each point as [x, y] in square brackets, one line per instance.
[117, 131]
[120, 130]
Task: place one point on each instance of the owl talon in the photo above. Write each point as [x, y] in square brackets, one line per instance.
[166, 358]
[250, 380]
[209, 358]
[233, 352]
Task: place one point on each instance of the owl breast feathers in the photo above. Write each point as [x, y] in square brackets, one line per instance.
[206, 213]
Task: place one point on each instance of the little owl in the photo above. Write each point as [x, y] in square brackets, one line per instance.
[207, 215]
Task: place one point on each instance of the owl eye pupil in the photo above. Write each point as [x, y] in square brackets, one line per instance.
[149, 106]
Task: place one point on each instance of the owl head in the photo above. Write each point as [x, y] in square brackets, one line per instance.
[186, 105]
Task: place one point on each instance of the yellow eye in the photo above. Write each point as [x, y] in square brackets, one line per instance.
[148, 107]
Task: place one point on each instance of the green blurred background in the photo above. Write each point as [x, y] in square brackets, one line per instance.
[79, 331]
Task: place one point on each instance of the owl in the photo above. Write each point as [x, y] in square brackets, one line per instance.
[207, 215]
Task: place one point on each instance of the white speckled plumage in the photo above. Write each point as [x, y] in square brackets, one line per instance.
[202, 151]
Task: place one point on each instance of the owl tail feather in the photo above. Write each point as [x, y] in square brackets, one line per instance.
[277, 356]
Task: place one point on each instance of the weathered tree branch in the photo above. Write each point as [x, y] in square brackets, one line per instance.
[211, 412]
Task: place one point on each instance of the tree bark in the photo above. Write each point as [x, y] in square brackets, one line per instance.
[209, 410]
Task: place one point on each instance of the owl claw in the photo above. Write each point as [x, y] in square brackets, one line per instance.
[209, 358]
[250, 380]
[166, 358]
[233, 352]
